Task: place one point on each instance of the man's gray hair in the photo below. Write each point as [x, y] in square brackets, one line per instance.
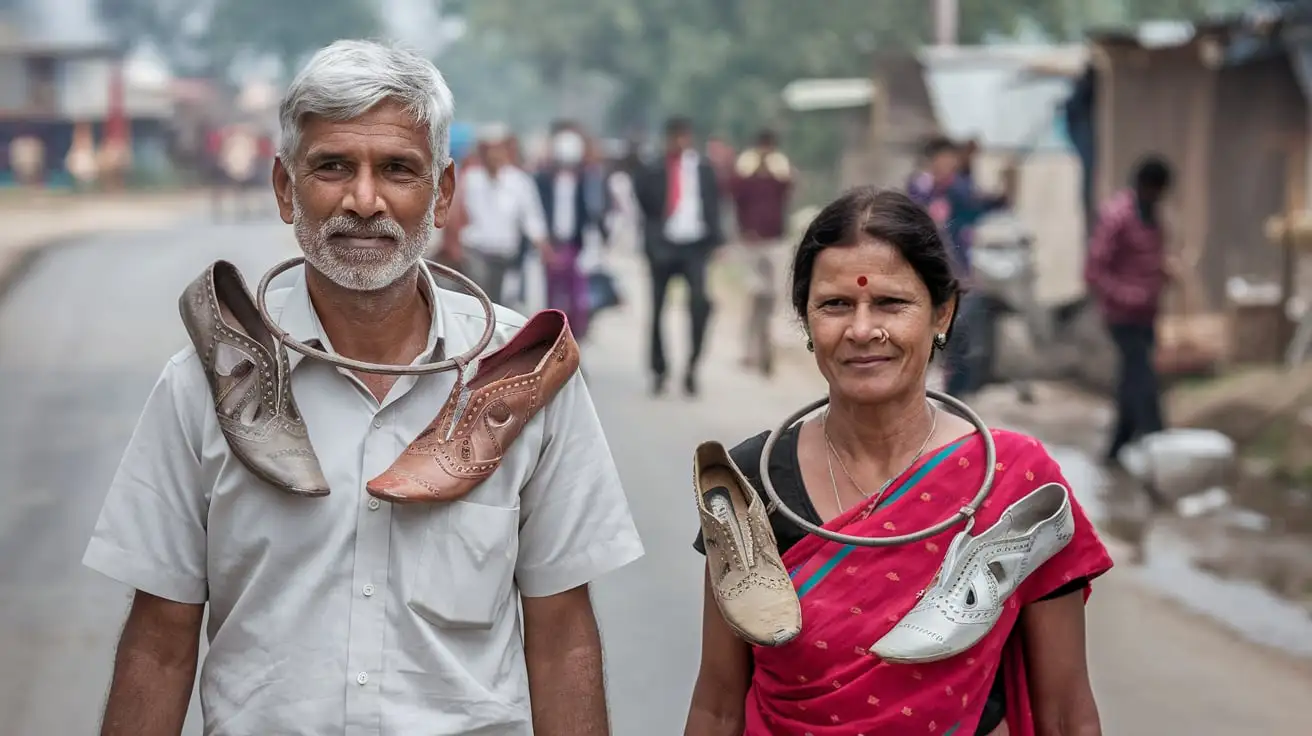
[346, 79]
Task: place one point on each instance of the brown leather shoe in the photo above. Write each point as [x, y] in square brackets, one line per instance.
[250, 381]
[748, 579]
[488, 408]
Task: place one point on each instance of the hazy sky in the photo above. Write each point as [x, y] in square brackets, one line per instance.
[412, 21]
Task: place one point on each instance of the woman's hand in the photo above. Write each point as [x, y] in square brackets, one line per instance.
[719, 699]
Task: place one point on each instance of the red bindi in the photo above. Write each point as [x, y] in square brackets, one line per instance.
[861, 281]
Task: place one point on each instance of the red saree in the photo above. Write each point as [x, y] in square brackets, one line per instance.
[825, 683]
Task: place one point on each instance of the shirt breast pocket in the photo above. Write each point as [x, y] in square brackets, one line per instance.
[467, 566]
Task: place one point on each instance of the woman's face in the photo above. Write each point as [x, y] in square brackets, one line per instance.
[860, 294]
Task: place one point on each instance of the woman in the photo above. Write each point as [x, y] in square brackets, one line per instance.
[875, 292]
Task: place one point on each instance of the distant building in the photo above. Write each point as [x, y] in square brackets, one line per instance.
[50, 88]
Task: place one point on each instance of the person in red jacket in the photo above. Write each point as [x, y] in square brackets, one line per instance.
[1126, 271]
[761, 184]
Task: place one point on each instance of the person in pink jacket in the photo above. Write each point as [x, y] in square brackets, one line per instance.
[1126, 271]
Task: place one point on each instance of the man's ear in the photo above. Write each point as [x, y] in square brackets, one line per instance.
[282, 190]
[446, 189]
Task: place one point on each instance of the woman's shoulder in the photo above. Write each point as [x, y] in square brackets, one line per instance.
[1012, 449]
[1015, 445]
[747, 454]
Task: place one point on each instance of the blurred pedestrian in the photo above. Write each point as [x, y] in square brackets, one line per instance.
[762, 183]
[574, 201]
[1126, 271]
[502, 206]
[953, 202]
[680, 201]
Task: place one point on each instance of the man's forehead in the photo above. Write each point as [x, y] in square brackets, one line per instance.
[396, 130]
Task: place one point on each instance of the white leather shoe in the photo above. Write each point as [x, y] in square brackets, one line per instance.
[978, 574]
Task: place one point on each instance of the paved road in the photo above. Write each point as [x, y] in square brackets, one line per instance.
[83, 337]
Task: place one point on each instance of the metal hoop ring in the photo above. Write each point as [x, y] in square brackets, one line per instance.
[388, 370]
[966, 512]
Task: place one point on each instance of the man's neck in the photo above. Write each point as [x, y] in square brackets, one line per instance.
[387, 326]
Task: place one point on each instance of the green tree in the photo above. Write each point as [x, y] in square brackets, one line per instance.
[722, 61]
[205, 37]
[288, 29]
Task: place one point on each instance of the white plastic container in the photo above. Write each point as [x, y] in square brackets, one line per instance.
[1181, 462]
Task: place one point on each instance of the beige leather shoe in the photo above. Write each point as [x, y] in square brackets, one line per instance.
[750, 583]
[250, 381]
[489, 406]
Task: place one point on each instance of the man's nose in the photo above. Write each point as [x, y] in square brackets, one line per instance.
[362, 197]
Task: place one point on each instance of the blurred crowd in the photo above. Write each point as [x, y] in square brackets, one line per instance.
[533, 228]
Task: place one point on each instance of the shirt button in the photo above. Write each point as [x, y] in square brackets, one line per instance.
[378, 424]
[362, 678]
[374, 504]
[368, 590]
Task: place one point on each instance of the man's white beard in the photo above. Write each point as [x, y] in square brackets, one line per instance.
[361, 269]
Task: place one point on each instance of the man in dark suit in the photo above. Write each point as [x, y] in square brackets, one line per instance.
[680, 201]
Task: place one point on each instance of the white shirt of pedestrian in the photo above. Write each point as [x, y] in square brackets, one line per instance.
[502, 210]
[686, 223]
[342, 614]
[565, 188]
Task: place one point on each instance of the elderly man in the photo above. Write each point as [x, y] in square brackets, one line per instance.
[332, 612]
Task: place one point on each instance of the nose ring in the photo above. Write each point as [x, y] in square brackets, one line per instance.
[881, 335]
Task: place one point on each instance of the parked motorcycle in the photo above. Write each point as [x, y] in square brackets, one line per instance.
[1024, 340]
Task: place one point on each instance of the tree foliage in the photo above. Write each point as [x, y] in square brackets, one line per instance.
[206, 36]
[725, 61]
[288, 29]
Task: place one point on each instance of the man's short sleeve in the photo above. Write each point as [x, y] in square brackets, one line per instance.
[575, 523]
[151, 531]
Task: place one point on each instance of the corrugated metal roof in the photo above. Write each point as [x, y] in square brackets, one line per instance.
[990, 94]
[804, 95]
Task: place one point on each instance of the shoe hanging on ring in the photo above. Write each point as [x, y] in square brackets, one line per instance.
[978, 575]
[964, 514]
[243, 354]
[249, 380]
[748, 579]
[492, 401]
[979, 572]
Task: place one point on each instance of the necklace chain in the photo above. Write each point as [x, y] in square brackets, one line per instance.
[832, 455]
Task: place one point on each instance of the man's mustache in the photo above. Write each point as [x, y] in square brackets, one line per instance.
[356, 227]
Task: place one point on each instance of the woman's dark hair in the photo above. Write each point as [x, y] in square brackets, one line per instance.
[884, 215]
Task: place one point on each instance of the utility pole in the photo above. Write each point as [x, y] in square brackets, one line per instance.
[945, 22]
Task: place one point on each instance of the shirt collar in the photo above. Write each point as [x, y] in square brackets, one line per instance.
[299, 319]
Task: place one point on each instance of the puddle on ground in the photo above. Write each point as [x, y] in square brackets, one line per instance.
[1173, 553]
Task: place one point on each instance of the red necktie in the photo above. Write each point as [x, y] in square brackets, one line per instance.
[674, 183]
